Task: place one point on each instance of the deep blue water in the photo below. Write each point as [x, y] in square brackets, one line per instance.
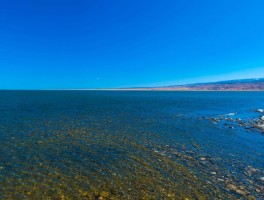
[67, 144]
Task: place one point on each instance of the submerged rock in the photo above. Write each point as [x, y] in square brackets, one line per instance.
[232, 187]
[202, 158]
[104, 194]
[238, 191]
[260, 110]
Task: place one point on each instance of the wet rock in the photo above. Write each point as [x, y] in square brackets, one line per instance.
[251, 197]
[215, 120]
[104, 194]
[252, 169]
[190, 152]
[261, 178]
[258, 190]
[176, 153]
[232, 187]
[241, 192]
[248, 173]
[163, 153]
[188, 157]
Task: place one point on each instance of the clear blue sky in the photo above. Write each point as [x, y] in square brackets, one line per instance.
[52, 44]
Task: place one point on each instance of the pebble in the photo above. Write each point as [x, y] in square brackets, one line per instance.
[104, 194]
[252, 169]
[213, 173]
[261, 178]
[238, 191]
[203, 158]
[177, 154]
[232, 187]
[248, 173]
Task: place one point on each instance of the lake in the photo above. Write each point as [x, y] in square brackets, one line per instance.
[129, 145]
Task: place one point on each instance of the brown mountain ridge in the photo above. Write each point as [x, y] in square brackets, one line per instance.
[256, 84]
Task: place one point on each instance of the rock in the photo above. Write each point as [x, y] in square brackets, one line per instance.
[213, 173]
[177, 154]
[251, 197]
[232, 187]
[215, 120]
[252, 169]
[260, 110]
[262, 118]
[188, 157]
[261, 178]
[104, 194]
[248, 173]
[241, 192]
[236, 189]
[202, 158]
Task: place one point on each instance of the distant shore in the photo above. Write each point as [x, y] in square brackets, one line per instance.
[162, 89]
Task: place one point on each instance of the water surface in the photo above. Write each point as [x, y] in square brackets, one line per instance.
[128, 145]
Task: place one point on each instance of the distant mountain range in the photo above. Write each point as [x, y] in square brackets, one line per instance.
[230, 85]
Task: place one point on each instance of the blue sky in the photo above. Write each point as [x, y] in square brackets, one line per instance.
[59, 44]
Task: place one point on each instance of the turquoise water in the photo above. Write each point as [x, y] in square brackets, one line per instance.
[128, 145]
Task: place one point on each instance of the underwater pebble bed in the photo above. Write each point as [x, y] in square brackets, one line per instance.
[130, 145]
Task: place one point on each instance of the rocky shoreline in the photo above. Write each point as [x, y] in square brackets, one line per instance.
[249, 186]
[231, 121]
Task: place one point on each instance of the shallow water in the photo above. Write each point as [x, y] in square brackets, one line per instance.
[128, 145]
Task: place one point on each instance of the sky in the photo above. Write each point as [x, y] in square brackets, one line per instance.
[63, 44]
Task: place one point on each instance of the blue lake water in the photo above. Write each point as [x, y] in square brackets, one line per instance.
[129, 145]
